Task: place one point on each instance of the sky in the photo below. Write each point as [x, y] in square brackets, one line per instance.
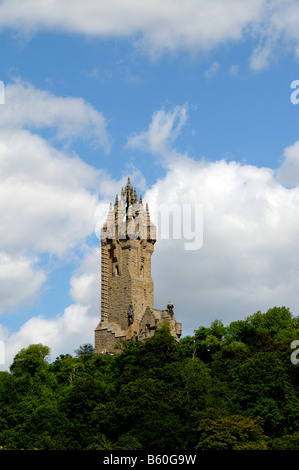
[196, 101]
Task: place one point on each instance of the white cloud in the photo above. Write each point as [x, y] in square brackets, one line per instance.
[46, 205]
[212, 71]
[66, 331]
[20, 281]
[288, 172]
[163, 130]
[247, 262]
[29, 107]
[261, 56]
[63, 334]
[48, 201]
[48, 198]
[85, 284]
[250, 234]
[155, 27]
[277, 31]
[168, 24]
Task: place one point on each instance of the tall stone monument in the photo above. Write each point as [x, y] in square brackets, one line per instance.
[127, 290]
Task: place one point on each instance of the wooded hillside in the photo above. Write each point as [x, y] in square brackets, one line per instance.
[225, 387]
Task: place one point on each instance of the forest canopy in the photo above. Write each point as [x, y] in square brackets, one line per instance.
[223, 388]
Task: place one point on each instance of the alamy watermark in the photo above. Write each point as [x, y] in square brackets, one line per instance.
[181, 222]
[295, 94]
[295, 354]
[174, 222]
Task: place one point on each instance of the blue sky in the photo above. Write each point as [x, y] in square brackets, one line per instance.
[192, 100]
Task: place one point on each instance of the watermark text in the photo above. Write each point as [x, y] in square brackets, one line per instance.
[173, 222]
[295, 354]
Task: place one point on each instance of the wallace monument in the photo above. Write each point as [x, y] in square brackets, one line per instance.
[127, 290]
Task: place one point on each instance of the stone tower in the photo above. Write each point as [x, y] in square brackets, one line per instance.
[127, 290]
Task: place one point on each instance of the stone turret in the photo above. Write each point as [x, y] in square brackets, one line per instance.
[127, 290]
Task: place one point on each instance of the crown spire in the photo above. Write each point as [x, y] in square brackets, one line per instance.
[128, 209]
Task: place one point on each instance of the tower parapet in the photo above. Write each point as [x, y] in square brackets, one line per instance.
[127, 290]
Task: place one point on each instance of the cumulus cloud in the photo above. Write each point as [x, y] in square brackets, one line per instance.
[247, 261]
[250, 234]
[161, 133]
[20, 280]
[48, 197]
[63, 334]
[29, 107]
[85, 284]
[156, 27]
[288, 172]
[46, 204]
[67, 330]
[168, 25]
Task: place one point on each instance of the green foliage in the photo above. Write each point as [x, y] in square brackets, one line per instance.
[218, 431]
[30, 361]
[274, 321]
[84, 349]
[224, 387]
[286, 442]
[207, 341]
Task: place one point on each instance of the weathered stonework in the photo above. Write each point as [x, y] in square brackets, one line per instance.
[127, 289]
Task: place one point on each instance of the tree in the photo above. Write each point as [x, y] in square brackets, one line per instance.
[207, 341]
[261, 387]
[274, 321]
[78, 403]
[160, 349]
[286, 442]
[222, 388]
[66, 368]
[146, 358]
[84, 349]
[217, 430]
[31, 360]
[143, 409]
